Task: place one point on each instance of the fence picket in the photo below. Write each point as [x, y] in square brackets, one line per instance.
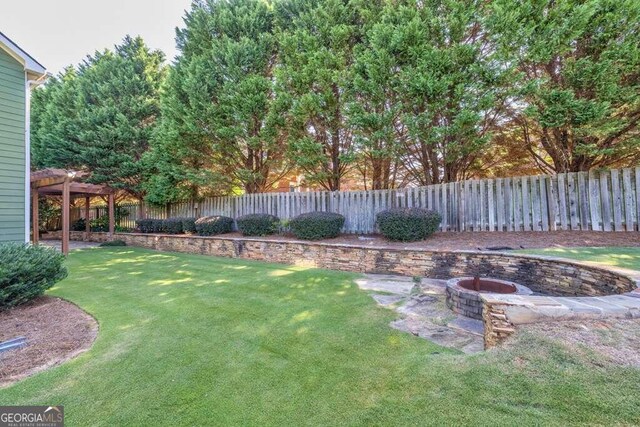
[573, 201]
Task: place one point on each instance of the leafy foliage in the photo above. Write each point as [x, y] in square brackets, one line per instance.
[219, 110]
[211, 225]
[189, 225]
[149, 225]
[316, 225]
[577, 103]
[27, 271]
[172, 226]
[375, 94]
[258, 224]
[100, 116]
[408, 224]
[79, 225]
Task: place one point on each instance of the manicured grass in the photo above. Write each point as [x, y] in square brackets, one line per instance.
[195, 340]
[616, 257]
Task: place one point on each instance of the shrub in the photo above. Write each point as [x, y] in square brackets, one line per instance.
[27, 271]
[78, 225]
[408, 224]
[210, 225]
[189, 225]
[150, 225]
[316, 225]
[173, 226]
[113, 243]
[258, 224]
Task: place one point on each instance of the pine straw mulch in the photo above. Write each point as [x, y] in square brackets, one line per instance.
[56, 331]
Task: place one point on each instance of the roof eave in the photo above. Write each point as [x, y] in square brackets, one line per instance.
[34, 69]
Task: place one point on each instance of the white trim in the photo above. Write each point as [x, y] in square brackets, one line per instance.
[29, 84]
[27, 158]
[30, 65]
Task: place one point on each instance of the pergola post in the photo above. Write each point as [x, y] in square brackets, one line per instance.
[65, 215]
[87, 222]
[35, 216]
[112, 215]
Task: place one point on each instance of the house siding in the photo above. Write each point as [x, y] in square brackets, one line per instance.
[12, 149]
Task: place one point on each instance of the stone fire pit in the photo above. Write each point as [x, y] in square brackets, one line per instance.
[463, 293]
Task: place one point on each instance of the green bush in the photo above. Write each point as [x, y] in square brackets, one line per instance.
[113, 243]
[316, 225]
[408, 224]
[173, 226]
[258, 224]
[27, 271]
[78, 225]
[150, 225]
[189, 225]
[100, 224]
[210, 225]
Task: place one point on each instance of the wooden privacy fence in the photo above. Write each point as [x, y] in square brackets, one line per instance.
[599, 200]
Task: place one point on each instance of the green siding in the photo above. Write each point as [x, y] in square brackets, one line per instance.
[12, 146]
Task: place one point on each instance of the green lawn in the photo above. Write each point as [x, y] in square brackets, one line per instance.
[617, 257]
[195, 340]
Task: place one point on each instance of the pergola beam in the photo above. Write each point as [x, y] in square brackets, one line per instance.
[77, 187]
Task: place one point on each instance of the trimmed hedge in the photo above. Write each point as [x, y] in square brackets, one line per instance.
[27, 271]
[316, 225]
[189, 225]
[258, 224]
[408, 224]
[173, 226]
[150, 225]
[211, 225]
[78, 225]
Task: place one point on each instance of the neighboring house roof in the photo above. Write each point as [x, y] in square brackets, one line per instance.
[33, 68]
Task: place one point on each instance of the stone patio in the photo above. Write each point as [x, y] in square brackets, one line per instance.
[424, 312]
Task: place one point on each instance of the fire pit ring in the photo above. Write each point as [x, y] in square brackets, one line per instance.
[463, 293]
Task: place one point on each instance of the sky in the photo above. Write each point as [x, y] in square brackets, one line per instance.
[58, 33]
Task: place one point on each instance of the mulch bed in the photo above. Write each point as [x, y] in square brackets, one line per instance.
[484, 240]
[56, 330]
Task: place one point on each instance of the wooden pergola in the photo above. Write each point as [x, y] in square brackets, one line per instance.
[60, 182]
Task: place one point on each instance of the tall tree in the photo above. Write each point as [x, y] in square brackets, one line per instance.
[449, 86]
[317, 40]
[373, 109]
[54, 130]
[579, 86]
[119, 96]
[100, 117]
[220, 102]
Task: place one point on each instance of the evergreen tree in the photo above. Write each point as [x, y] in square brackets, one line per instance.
[579, 86]
[445, 89]
[220, 111]
[118, 94]
[54, 128]
[317, 40]
[100, 117]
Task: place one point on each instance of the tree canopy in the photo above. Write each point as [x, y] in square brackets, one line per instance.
[101, 116]
[381, 93]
